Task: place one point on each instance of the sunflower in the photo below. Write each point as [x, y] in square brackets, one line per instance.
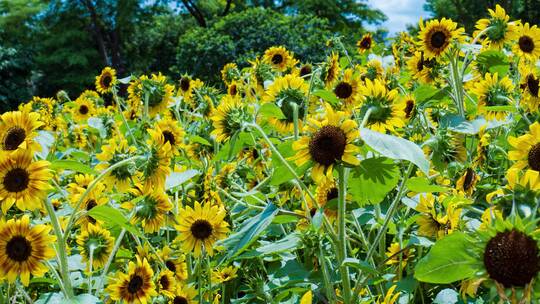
[528, 42]
[173, 133]
[153, 92]
[84, 108]
[106, 80]
[436, 36]
[425, 70]
[325, 193]
[329, 139]
[228, 117]
[166, 283]
[526, 149]
[279, 58]
[150, 207]
[365, 43]
[390, 297]
[285, 91]
[175, 262]
[186, 88]
[386, 114]
[229, 73]
[200, 227]
[493, 91]
[433, 222]
[224, 275]
[373, 70]
[498, 30]
[23, 249]
[397, 255]
[91, 201]
[136, 286]
[183, 294]
[305, 71]
[23, 182]
[467, 182]
[116, 150]
[530, 88]
[347, 89]
[409, 102]
[331, 70]
[95, 244]
[18, 130]
[446, 147]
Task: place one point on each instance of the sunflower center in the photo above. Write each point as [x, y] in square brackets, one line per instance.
[532, 85]
[469, 177]
[201, 229]
[83, 109]
[14, 137]
[534, 157]
[277, 59]
[526, 44]
[409, 108]
[164, 281]
[511, 258]
[233, 90]
[135, 284]
[180, 300]
[328, 145]
[343, 90]
[365, 43]
[16, 180]
[332, 194]
[169, 137]
[170, 265]
[184, 84]
[107, 79]
[18, 249]
[438, 39]
[305, 70]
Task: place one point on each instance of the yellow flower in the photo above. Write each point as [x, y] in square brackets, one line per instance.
[331, 70]
[528, 42]
[396, 255]
[150, 207]
[224, 275]
[498, 30]
[365, 43]
[84, 108]
[422, 69]
[530, 87]
[136, 286]
[18, 130]
[307, 298]
[347, 89]
[284, 92]
[467, 182]
[492, 91]
[184, 294]
[116, 150]
[175, 262]
[526, 150]
[95, 244]
[228, 117]
[106, 80]
[436, 36]
[390, 297]
[385, 113]
[279, 58]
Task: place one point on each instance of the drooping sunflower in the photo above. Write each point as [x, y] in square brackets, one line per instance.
[116, 150]
[280, 58]
[331, 70]
[386, 113]
[467, 182]
[175, 262]
[493, 91]
[328, 140]
[23, 249]
[436, 36]
[446, 147]
[95, 244]
[18, 130]
[150, 207]
[200, 227]
[498, 30]
[347, 89]
[83, 109]
[373, 70]
[106, 80]
[92, 200]
[184, 294]
[530, 88]
[136, 286]
[228, 117]
[22, 181]
[526, 149]
[527, 45]
[229, 73]
[365, 43]
[284, 92]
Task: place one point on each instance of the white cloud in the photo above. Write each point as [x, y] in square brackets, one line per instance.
[400, 13]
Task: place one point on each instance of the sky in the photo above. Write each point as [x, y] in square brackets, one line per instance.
[400, 13]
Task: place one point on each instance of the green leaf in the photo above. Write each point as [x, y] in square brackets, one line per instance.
[448, 261]
[200, 140]
[372, 180]
[493, 61]
[458, 124]
[327, 96]
[177, 178]
[112, 217]
[239, 241]
[72, 165]
[281, 173]
[285, 219]
[288, 243]
[426, 92]
[395, 148]
[360, 265]
[423, 185]
[269, 110]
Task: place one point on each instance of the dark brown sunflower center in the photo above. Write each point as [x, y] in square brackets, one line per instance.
[534, 157]
[91, 204]
[327, 145]
[277, 59]
[201, 229]
[365, 43]
[135, 284]
[409, 108]
[526, 44]
[14, 137]
[170, 265]
[511, 258]
[469, 178]
[343, 90]
[169, 137]
[16, 180]
[305, 70]
[184, 84]
[18, 249]
[164, 281]
[180, 300]
[438, 39]
[532, 85]
[233, 90]
[332, 194]
[106, 80]
[83, 109]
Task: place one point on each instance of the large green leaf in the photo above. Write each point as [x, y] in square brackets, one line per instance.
[72, 165]
[269, 110]
[373, 179]
[494, 62]
[448, 261]
[281, 173]
[239, 241]
[112, 217]
[423, 185]
[287, 243]
[327, 96]
[395, 148]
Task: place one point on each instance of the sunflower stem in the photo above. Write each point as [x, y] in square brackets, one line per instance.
[124, 121]
[62, 251]
[366, 117]
[25, 295]
[110, 259]
[342, 235]
[330, 294]
[57, 276]
[295, 119]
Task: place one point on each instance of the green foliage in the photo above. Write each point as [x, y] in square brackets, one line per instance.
[15, 72]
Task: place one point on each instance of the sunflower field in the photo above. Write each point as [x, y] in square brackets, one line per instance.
[405, 172]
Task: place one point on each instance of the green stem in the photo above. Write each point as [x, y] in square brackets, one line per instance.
[62, 251]
[342, 235]
[330, 294]
[366, 117]
[294, 106]
[124, 121]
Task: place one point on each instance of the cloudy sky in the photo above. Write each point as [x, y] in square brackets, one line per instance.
[400, 13]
